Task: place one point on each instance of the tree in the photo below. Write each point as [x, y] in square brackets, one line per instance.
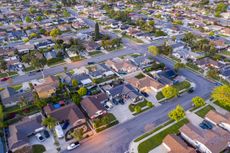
[78, 134]
[177, 114]
[66, 13]
[3, 65]
[97, 32]
[178, 66]
[222, 94]
[74, 83]
[149, 104]
[28, 19]
[40, 103]
[49, 122]
[198, 101]
[82, 91]
[137, 109]
[152, 23]
[169, 92]
[39, 64]
[76, 99]
[55, 32]
[154, 50]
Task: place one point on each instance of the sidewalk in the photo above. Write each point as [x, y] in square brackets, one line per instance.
[218, 108]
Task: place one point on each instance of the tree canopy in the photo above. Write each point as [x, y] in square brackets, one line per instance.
[154, 50]
[169, 92]
[198, 101]
[222, 94]
[177, 114]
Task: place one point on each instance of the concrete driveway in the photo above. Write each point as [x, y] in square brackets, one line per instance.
[122, 112]
[193, 118]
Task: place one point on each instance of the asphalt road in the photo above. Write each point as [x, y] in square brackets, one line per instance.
[118, 138]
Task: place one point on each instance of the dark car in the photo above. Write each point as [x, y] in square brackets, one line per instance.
[121, 101]
[91, 63]
[144, 94]
[115, 101]
[208, 124]
[65, 125]
[32, 73]
[46, 134]
[203, 126]
[4, 79]
[190, 90]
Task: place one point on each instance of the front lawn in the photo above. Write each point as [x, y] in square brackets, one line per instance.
[76, 58]
[157, 139]
[104, 79]
[153, 131]
[194, 67]
[104, 122]
[17, 87]
[38, 148]
[140, 76]
[204, 111]
[159, 95]
[226, 107]
[28, 69]
[182, 85]
[2, 75]
[94, 53]
[55, 61]
[143, 105]
[133, 39]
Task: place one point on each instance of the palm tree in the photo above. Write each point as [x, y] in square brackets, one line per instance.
[49, 122]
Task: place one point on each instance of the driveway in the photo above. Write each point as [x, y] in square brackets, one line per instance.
[159, 149]
[193, 118]
[122, 112]
[48, 143]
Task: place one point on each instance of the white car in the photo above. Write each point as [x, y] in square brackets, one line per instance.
[59, 131]
[40, 137]
[108, 105]
[73, 145]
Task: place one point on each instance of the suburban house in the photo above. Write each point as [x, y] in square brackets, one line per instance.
[146, 83]
[24, 48]
[126, 91]
[99, 71]
[175, 144]
[48, 87]
[70, 113]
[91, 46]
[121, 66]
[83, 79]
[204, 140]
[206, 62]
[219, 119]
[225, 72]
[93, 105]
[142, 61]
[11, 97]
[167, 77]
[19, 132]
[50, 55]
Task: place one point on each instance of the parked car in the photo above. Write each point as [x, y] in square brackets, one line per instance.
[40, 137]
[46, 134]
[65, 125]
[121, 101]
[108, 105]
[209, 125]
[4, 79]
[32, 73]
[59, 131]
[91, 63]
[144, 94]
[190, 90]
[73, 145]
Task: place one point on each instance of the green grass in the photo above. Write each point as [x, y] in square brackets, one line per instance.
[2, 89]
[94, 53]
[55, 61]
[182, 85]
[194, 67]
[76, 58]
[204, 111]
[133, 39]
[71, 72]
[134, 55]
[17, 87]
[141, 104]
[153, 131]
[2, 75]
[38, 148]
[226, 107]
[140, 76]
[226, 53]
[157, 139]
[28, 69]
[159, 95]
[104, 122]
